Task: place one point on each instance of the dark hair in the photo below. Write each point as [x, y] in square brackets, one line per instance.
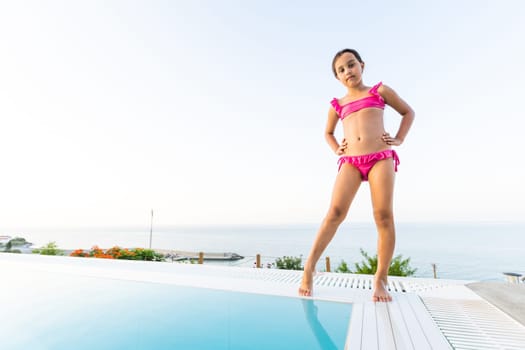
[340, 53]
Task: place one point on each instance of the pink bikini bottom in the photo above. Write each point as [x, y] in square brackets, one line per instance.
[365, 162]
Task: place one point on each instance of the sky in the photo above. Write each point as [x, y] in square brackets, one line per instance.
[213, 112]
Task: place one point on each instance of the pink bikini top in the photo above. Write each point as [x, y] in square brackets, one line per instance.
[373, 101]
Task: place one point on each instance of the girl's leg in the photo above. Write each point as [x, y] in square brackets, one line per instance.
[346, 185]
[381, 180]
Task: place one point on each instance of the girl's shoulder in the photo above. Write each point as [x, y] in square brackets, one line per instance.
[388, 94]
[382, 87]
[383, 90]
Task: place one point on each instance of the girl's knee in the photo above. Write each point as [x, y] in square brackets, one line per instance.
[384, 217]
[336, 215]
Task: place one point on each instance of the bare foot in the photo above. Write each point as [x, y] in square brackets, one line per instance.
[380, 290]
[306, 284]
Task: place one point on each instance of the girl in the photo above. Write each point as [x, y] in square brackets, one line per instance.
[366, 155]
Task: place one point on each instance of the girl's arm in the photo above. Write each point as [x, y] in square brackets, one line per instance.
[393, 100]
[329, 133]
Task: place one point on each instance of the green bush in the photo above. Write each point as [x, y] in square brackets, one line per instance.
[49, 249]
[343, 267]
[398, 266]
[17, 241]
[147, 254]
[14, 242]
[289, 263]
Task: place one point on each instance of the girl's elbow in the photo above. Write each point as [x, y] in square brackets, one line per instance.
[328, 136]
[410, 114]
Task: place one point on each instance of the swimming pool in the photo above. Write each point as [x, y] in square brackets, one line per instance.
[57, 310]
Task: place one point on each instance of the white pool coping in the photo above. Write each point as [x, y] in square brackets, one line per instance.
[413, 320]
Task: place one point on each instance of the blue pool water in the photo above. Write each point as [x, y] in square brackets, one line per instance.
[61, 311]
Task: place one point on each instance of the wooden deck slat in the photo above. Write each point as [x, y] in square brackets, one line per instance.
[385, 337]
[417, 335]
[403, 324]
[355, 329]
[399, 328]
[369, 334]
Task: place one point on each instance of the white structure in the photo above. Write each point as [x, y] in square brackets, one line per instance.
[424, 314]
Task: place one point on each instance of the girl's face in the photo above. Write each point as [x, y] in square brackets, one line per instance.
[349, 69]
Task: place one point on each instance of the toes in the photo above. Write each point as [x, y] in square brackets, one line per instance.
[305, 292]
[386, 298]
[381, 298]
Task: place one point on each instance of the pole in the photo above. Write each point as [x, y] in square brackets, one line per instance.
[151, 229]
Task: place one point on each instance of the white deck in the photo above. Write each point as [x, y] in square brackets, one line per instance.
[425, 313]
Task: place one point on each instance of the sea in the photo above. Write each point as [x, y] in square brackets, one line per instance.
[465, 251]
